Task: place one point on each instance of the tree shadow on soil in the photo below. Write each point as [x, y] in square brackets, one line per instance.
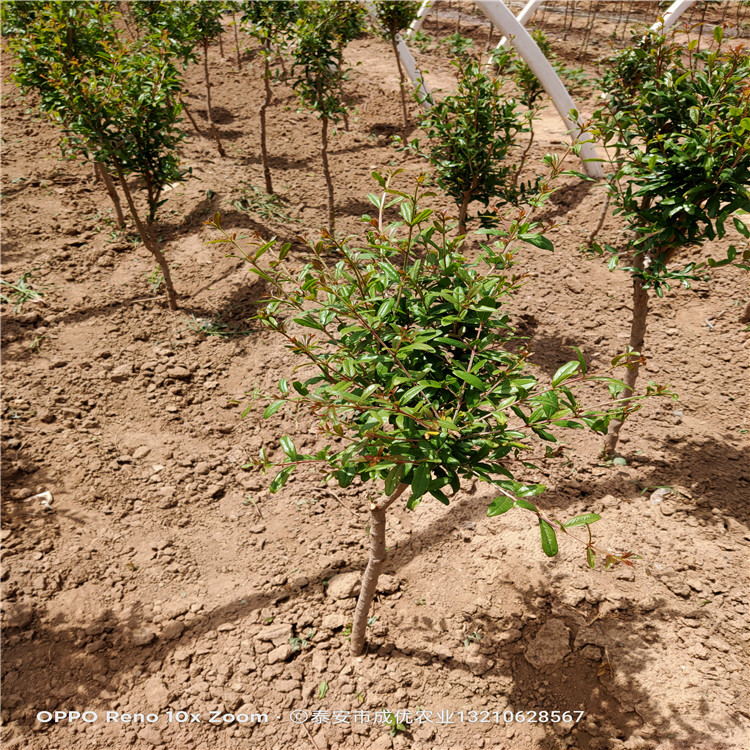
[564, 200]
[598, 674]
[718, 468]
[61, 659]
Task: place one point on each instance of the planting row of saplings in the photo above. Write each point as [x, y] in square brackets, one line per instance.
[411, 357]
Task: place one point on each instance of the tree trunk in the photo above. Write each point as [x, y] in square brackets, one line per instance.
[637, 335]
[149, 241]
[373, 569]
[191, 118]
[463, 210]
[237, 41]
[209, 116]
[112, 191]
[263, 108]
[327, 173]
[402, 85]
[702, 24]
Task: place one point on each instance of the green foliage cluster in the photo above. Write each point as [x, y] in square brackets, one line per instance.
[395, 15]
[469, 135]
[116, 100]
[270, 22]
[679, 122]
[183, 24]
[415, 368]
[322, 30]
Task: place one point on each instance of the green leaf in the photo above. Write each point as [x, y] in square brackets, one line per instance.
[499, 506]
[549, 538]
[346, 475]
[565, 372]
[740, 226]
[421, 481]
[393, 479]
[470, 379]
[409, 395]
[521, 503]
[322, 690]
[288, 447]
[590, 557]
[581, 359]
[582, 520]
[538, 240]
[271, 409]
[280, 479]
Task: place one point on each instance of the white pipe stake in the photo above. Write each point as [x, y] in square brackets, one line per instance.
[416, 24]
[673, 12]
[410, 66]
[522, 17]
[504, 19]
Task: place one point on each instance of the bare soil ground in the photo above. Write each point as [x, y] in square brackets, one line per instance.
[166, 576]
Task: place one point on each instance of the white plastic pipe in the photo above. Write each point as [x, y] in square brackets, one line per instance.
[416, 24]
[504, 19]
[522, 17]
[407, 60]
[411, 69]
[673, 12]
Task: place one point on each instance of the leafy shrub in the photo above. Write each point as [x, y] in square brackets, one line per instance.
[678, 121]
[469, 135]
[414, 371]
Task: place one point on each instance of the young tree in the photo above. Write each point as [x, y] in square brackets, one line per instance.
[42, 32]
[408, 340]
[186, 24]
[470, 134]
[117, 104]
[317, 71]
[679, 123]
[396, 16]
[271, 24]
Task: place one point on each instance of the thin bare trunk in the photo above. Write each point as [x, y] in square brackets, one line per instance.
[237, 41]
[263, 108]
[209, 115]
[221, 44]
[191, 118]
[402, 84]
[703, 21]
[373, 570]
[463, 210]
[112, 191]
[327, 173]
[97, 175]
[600, 223]
[148, 239]
[344, 114]
[637, 335]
